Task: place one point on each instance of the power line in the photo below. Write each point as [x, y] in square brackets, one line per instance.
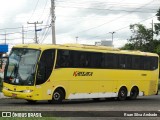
[43, 9]
[11, 39]
[16, 32]
[5, 34]
[10, 28]
[38, 14]
[20, 27]
[100, 4]
[114, 19]
[34, 10]
[11, 33]
[125, 27]
[97, 2]
[44, 32]
[102, 9]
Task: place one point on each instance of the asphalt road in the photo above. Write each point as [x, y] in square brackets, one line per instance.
[90, 108]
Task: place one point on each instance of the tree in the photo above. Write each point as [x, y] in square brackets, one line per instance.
[128, 46]
[157, 25]
[158, 49]
[140, 37]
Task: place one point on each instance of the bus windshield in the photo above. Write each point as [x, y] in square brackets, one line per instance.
[21, 66]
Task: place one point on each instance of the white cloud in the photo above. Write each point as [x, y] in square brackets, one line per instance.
[8, 7]
[73, 19]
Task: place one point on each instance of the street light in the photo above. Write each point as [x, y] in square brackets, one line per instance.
[112, 35]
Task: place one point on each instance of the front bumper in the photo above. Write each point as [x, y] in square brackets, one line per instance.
[21, 95]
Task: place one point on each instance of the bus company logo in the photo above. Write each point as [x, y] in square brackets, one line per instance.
[78, 73]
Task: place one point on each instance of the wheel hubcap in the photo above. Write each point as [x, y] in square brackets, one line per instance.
[122, 93]
[56, 96]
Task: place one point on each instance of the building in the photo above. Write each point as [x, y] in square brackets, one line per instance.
[104, 43]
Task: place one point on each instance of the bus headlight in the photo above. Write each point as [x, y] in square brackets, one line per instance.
[27, 91]
[5, 88]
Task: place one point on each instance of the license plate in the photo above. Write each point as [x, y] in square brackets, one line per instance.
[14, 95]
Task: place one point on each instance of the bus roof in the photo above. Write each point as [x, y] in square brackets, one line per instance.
[81, 47]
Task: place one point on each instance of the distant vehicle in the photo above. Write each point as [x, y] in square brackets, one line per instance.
[58, 72]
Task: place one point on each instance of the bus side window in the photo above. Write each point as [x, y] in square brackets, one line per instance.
[111, 61]
[136, 62]
[45, 66]
[154, 62]
[128, 61]
[122, 63]
[63, 59]
[95, 60]
[125, 61]
[146, 63]
[83, 61]
[75, 59]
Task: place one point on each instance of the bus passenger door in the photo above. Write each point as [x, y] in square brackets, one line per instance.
[45, 68]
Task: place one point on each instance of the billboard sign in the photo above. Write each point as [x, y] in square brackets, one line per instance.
[3, 48]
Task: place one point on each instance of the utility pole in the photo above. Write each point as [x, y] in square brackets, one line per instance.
[35, 26]
[53, 17]
[22, 35]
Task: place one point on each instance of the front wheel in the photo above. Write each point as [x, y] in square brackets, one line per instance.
[57, 96]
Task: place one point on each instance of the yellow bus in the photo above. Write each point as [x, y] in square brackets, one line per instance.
[57, 72]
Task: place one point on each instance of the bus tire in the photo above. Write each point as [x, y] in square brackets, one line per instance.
[134, 93]
[57, 96]
[31, 101]
[122, 94]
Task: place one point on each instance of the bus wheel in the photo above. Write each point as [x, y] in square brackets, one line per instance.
[57, 97]
[134, 93]
[31, 101]
[122, 94]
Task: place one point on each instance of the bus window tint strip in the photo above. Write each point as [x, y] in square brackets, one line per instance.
[80, 59]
